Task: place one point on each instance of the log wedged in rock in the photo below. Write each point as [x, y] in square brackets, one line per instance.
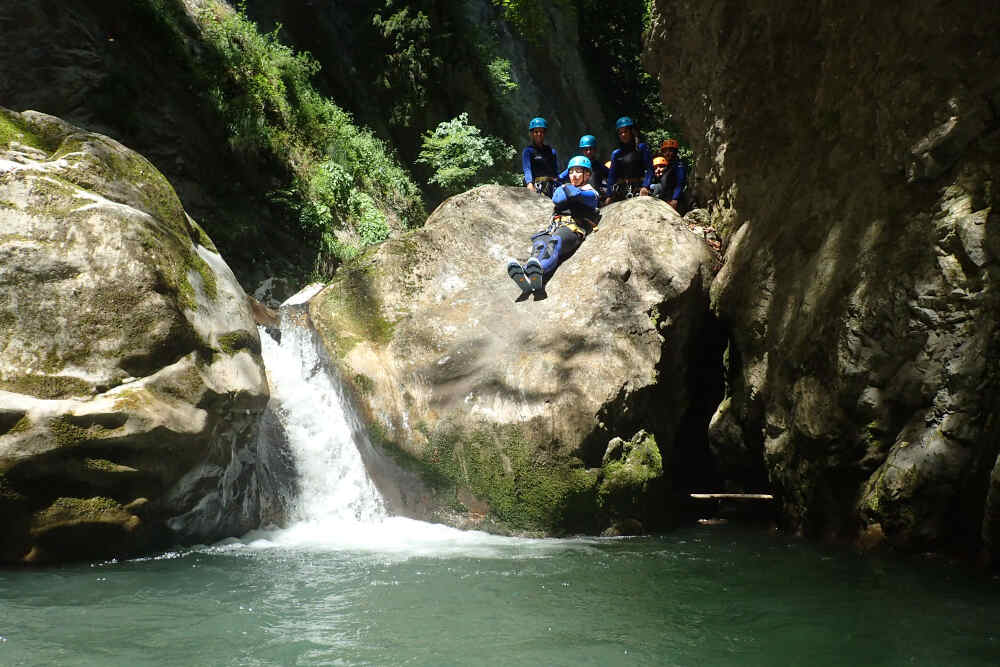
[507, 406]
[131, 381]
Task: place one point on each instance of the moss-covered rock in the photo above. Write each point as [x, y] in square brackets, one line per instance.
[504, 406]
[130, 363]
[632, 486]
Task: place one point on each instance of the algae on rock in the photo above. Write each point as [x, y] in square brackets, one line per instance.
[504, 407]
[130, 367]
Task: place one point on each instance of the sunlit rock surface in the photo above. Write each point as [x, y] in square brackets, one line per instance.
[508, 406]
[852, 152]
[130, 376]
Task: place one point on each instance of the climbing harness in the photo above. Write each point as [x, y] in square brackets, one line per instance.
[627, 188]
[585, 227]
[545, 185]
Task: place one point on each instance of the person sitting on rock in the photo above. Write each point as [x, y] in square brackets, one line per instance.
[539, 161]
[671, 176]
[574, 217]
[599, 174]
[631, 169]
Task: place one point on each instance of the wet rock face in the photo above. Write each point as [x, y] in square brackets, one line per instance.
[852, 156]
[130, 376]
[509, 404]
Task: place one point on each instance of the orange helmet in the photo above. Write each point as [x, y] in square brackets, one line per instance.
[669, 143]
[658, 160]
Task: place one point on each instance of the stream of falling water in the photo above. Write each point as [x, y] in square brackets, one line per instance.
[338, 506]
[320, 426]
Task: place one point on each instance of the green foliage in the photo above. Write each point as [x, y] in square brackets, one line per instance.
[611, 44]
[409, 61]
[258, 75]
[371, 226]
[527, 17]
[341, 176]
[499, 69]
[463, 157]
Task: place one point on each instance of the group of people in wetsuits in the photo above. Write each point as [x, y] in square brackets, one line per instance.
[632, 171]
[585, 185]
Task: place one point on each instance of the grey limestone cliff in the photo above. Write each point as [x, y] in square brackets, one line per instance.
[852, 151]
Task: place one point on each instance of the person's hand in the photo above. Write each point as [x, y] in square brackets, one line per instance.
[530, 186]
[643, 192]
[607, 201]
[673, 202]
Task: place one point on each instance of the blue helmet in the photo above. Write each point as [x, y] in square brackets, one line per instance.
[624, 121]
[580, 161]
[538, 121]
[588, 141]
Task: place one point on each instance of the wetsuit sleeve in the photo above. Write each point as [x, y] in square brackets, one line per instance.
[647, 161]
[567, 194]
[681, 180]
[611, 170]
[526, 164]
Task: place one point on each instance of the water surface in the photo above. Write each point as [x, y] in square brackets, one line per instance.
[346, 584]
[406, 593]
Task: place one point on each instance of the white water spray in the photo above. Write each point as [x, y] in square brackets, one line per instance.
[333, 484]
[338, 507]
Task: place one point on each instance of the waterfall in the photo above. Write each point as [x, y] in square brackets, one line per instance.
[320, 426]
[337, 507]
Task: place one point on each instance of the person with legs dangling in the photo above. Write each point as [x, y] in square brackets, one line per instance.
[574, 217]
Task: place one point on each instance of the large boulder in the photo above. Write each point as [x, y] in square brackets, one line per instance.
[131, 382]
[507, 406]
[852, 154]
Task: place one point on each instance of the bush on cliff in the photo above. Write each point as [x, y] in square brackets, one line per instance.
[463, 157]
[341, 176]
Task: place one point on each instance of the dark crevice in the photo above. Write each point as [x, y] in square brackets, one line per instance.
[9, 419]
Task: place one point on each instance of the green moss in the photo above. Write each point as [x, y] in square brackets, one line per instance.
[170, 241]
[53, 196]
[208, 280]
[349, 312]
[201, 237]
[98, 508]
[68, 434]
[525, 490]
[131, 400]
[364, 384]
[47, 386]
[14, 129]
[626, 479]
[234, 341]
[106, 466]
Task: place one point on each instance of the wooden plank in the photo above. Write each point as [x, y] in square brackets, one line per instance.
[732, 496]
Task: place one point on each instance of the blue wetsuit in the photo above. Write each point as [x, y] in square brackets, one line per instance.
[573, 205]
[539, 163]
[598, 176]
[631, 164]
[673, 181]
